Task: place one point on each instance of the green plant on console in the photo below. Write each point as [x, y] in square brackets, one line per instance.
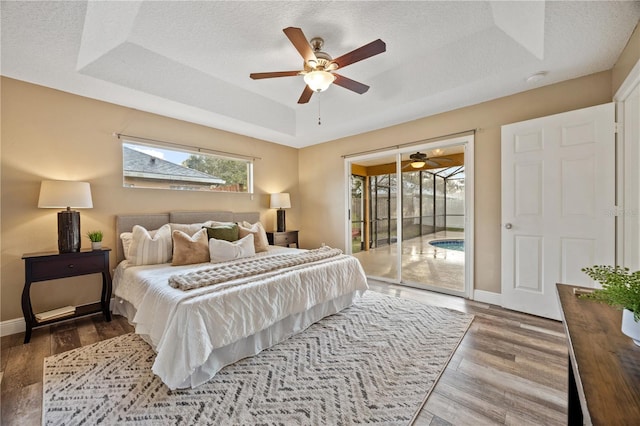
[95, 236]
[620, 288]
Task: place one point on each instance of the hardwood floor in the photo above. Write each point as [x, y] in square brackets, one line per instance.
[510, 368]
[22, 364]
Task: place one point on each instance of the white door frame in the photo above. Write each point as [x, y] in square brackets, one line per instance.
[468, 142]
[628, 192]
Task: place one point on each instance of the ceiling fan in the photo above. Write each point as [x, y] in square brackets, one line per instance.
[420, 159]
[318, 66]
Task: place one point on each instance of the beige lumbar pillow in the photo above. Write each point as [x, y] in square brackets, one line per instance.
[190, 249]
[221, 250]
[260, 241]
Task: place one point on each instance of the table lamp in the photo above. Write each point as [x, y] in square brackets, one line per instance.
[280, 201]
[61, 194]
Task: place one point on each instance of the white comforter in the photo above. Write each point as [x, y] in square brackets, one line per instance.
[185, 327]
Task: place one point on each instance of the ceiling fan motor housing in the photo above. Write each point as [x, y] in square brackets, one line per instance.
[323, 59]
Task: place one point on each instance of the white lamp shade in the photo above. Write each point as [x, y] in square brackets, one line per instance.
[280, 201]
[62, 194]
[319, 81]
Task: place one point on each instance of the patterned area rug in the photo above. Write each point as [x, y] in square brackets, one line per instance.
[375, 363]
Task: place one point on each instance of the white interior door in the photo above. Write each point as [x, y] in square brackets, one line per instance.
[558, 204]
[628, 97]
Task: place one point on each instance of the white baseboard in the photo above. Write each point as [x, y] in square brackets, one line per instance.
[13, 326]
[487, 297]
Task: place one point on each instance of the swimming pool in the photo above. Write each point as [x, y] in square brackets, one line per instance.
[457, 245]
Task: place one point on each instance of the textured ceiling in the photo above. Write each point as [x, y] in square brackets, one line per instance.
[191, 60]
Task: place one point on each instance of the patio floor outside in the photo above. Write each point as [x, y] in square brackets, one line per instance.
[422, 263]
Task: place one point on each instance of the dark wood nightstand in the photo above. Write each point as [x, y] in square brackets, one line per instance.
[284, 239]
[50, 266]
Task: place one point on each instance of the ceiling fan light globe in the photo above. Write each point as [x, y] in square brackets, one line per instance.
[418, 164]
[319, 81]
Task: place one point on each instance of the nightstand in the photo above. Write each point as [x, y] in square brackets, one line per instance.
[284, 239]
[50, 266]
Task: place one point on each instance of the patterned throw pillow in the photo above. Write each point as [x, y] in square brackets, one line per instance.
[260, 241]
[190, 249]
[227, 232]
[221, 250]
[150, 247]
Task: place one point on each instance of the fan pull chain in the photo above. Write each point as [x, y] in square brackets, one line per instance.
[319, 97]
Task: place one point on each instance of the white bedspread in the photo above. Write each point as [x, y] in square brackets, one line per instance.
[185, 327]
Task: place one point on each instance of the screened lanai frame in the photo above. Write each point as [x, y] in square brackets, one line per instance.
[426, 205]
[465, 141]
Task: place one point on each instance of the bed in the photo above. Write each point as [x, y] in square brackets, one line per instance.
[196, 330]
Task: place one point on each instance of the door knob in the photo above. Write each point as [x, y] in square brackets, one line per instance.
[508, 225]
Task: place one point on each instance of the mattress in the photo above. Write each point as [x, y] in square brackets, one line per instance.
[197, 332]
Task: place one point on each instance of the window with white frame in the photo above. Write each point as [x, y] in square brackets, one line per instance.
[147, 165]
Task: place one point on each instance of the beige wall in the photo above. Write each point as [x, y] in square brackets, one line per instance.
[627, 60]
[48, 134]
[322, 167]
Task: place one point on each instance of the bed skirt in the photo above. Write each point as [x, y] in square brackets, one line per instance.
[251, 345]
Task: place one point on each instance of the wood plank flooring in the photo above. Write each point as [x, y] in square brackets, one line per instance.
[510, 369]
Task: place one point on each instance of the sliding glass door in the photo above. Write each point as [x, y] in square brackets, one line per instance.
[358, 212]
[433, 228]
[409, 224]
[373, 218]
[383, 194]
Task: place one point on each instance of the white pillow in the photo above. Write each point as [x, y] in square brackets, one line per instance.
[188, 228]
[260, 241]
[214, 223]
[126, 237]
[221, 250]
[150, 247]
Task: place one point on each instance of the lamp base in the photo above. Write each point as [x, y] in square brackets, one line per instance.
[281, 220]
[68, 231]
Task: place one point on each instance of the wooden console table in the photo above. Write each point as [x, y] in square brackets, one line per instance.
[604, 364]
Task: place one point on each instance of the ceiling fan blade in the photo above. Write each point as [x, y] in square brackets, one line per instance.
[444, 159]
[299, 41]
[306, 95]
[352, 85]
[432, 163]
[259, 75]
[364, 52]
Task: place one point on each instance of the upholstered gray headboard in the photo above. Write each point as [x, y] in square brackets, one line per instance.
[125, 223]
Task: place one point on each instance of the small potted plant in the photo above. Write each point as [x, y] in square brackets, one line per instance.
[96, 239]
[620, 289]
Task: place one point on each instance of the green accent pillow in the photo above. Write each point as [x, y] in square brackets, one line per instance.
[223, 232]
